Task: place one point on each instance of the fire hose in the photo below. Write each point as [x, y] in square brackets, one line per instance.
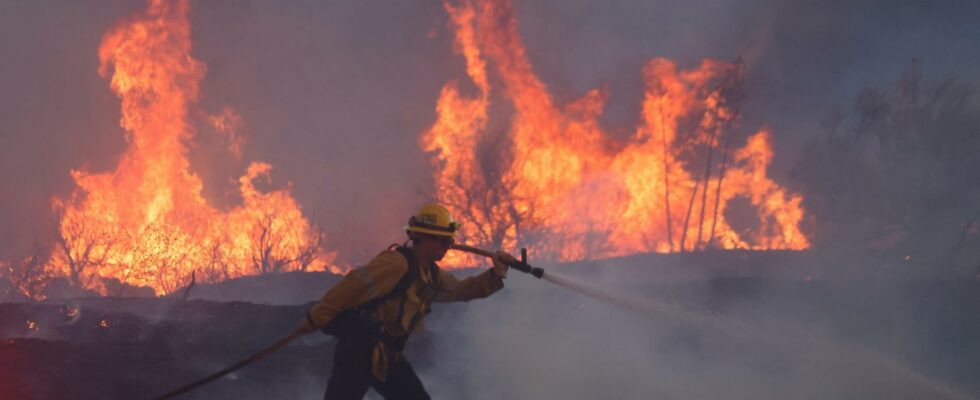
[234, 367]
[520, 265]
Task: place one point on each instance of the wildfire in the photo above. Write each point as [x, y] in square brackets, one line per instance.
[146, 223]
[31, 325]
[554, 180]
[103, 324]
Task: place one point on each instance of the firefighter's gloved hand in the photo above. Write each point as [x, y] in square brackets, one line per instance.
[501, 262]
[306, 327]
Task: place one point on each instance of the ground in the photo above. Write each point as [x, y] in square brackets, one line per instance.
[770, 327]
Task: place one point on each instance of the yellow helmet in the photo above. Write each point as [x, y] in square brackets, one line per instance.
[433, 219]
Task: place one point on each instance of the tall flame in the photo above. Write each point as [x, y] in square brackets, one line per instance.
[554, 180]
[146, 223]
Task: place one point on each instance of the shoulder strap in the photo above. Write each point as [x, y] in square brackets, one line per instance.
[402, 286]
[434, 273]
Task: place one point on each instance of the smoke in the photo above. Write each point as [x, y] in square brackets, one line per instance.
[715, 336]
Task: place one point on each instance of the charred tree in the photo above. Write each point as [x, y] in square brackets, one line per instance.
[710, 145]
[81, 250]
[901, 174]
[666, 151]
[29, 276]
[733, 93]
[721, 179]
[187, 291]
[310, 251]
[217, 267]
[687, 216]
[268, 254]
[484, 203]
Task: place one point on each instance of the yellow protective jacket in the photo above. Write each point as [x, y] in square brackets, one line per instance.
[379, 277]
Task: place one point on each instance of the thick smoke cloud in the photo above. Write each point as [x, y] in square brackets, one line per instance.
[334, 95]
[748, 336]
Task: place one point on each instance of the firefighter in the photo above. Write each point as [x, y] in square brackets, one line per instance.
[374, 308]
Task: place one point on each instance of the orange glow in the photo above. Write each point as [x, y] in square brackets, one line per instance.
[103, 324]
[32, 325]
[558, 184]
[146, 223]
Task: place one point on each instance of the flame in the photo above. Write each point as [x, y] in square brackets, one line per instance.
[103, 324]
[146, 223]
[227, 124]
[31, 325]
[555, 181]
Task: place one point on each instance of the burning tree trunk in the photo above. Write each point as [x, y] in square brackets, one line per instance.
[278, 247]
[217, 267]
[187, 290]
[687, 215]
[663, 138]
[721, 179]
[268, 253]
[28, 276]
[706, 180]
[732, 93]
[312, 249]
[566, 188]
[82, 250]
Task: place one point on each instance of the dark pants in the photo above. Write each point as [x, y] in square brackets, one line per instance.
[351, 376]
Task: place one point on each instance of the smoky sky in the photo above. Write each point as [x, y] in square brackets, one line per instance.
[334, 94]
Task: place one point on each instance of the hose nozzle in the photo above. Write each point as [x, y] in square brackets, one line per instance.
[520, 265]
[523, 266]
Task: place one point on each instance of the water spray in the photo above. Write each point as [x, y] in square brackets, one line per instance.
[782, 337]
[787, 339]
[643, 305]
